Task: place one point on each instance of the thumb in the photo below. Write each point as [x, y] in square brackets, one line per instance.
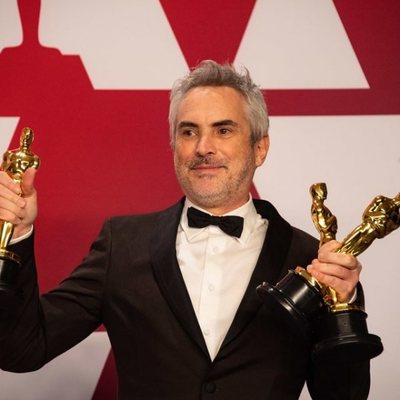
[27, 184]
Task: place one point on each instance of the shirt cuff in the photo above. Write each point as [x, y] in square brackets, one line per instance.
[23, 237]
[354, 297]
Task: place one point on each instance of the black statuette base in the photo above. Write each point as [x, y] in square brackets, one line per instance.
[342, 337]
[294, 300]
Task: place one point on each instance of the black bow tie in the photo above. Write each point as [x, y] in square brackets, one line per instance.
[231, 224]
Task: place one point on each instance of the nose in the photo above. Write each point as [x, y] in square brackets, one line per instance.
[205, 145]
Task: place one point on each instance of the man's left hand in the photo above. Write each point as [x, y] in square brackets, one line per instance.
[339, 271]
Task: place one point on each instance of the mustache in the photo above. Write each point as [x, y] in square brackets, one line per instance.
[204, 160]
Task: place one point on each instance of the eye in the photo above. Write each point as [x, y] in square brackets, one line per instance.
[188, 132]
[224, 131]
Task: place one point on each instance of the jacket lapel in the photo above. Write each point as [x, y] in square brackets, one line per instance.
[269, 267]
[168, 275]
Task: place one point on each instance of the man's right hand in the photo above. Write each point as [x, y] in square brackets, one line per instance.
[18, 203]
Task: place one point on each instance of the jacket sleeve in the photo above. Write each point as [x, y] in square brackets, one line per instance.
[42, 327]
[339, 382]
[345, 381]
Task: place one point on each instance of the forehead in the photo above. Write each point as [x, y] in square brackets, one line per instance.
[212, 103]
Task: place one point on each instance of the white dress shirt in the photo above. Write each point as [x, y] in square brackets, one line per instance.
[217, 268]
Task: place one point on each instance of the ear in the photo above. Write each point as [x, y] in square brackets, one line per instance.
[261, 150]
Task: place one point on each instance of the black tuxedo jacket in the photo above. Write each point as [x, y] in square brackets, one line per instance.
[131, 282]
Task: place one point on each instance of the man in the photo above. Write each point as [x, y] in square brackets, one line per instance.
[176, 295]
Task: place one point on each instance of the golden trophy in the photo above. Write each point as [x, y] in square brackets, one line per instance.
[15, 163]
[337, 330]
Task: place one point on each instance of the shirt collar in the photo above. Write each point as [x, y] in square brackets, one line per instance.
[247, 211]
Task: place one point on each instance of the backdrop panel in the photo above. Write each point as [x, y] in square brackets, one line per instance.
[92, 78]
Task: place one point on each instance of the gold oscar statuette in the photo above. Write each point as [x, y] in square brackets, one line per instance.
[337, 329]
[15, 163]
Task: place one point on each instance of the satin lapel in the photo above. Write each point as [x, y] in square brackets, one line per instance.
[269, 267]
[168, 275]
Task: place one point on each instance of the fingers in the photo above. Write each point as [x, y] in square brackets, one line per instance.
[18, 202]
[11, 202]
[28, 180]
[8, 183]
[328, 247]
[339, 271]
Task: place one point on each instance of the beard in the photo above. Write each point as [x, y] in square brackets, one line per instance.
[215, 191]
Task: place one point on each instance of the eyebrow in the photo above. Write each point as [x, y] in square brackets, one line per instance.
[224, 122]
[186, 124]
[189, 124]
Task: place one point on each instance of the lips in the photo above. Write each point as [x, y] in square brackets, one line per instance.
[206, 166]
[207, 169]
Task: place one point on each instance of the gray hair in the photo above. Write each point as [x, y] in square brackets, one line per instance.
[210, 73]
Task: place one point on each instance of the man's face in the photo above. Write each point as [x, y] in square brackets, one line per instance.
[213, 155]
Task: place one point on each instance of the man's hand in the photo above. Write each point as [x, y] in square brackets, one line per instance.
[18, 204]
[339, 271]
